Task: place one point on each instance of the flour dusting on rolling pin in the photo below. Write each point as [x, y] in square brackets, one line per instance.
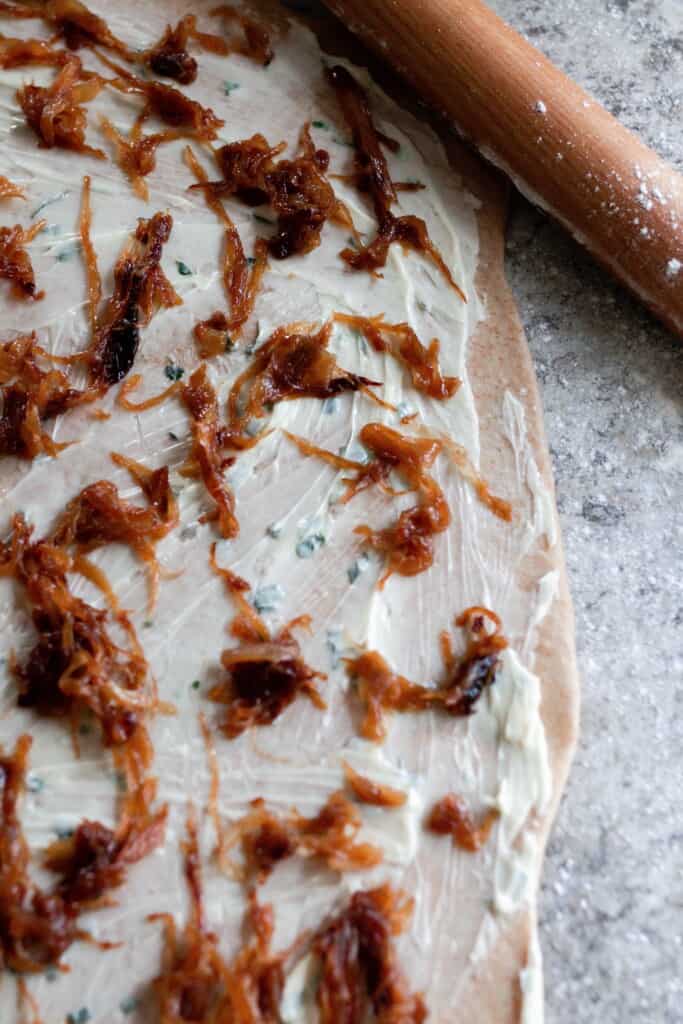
[562, 150]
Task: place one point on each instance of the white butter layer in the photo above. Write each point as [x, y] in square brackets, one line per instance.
[296, 545]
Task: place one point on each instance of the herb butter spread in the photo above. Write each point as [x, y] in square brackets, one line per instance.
[296, 544]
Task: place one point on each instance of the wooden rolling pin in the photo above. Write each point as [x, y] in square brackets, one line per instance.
[557, 144]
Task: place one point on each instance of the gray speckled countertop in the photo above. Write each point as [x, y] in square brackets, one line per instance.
[612, 384]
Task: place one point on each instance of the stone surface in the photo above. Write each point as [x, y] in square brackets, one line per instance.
[612, 384]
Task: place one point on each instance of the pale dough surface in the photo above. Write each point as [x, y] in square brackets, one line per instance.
[499, 358]
[472, 946]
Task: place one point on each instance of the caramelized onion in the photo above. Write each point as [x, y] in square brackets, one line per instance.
[407, 544]
[196, 983]
[391, 451]
[401, 341]
[209, 439]
[359, 970]
[140, 289]
[372, 175]
[239, 281]
[92, 273]
[136, 154]
[247, 625]
[98, 515]
[297, 189]
[169, 104]
[55, 112]
[31, 394]
[79, 26]
[264, 674]
[450, 816]
[330, 836]
[36, 925]
[15, 262]
[212, 336]
[18, 53]
[75, 665]
[467, 677]
[379, 689]
[95, 858]
[292, 363]
[9, 9]
[8, 190]
[75, 23]
[170, 58]
[131, 383]
[263, 679]
[303, 200]
[370, 792]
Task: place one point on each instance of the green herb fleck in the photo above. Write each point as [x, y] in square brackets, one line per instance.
[183, 268]
[357, 567]
[128, 1005]
[320, 124]
[229, 343]
[342, 142]
[51, 974]
[229, 87]
[34, 784]
[121, 782]
[330, 406]
[172, 436]
[266, 599]
[263, 220]
[196, 684]
[84, 729]
[251, 260]
[307, 547]
[81, 1016]
[360, 338]
[67, 251]
[63, 831]
[422, 306]
[335, 646]
[148, 623]
[173, 372]
[48, 202]
[353, 572]
[274, 530]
